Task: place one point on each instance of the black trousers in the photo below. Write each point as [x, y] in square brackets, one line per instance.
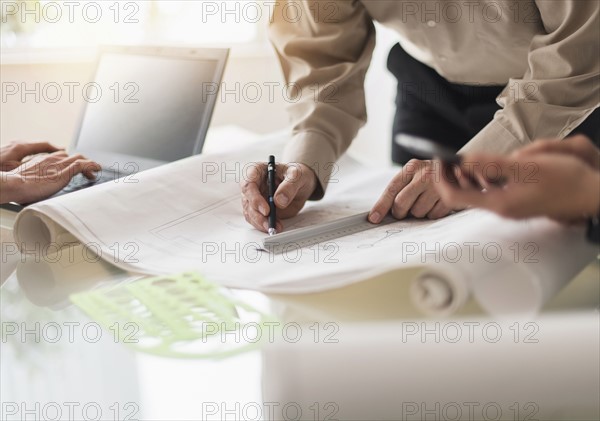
[429, 106]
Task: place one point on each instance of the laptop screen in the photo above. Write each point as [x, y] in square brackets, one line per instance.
[148, 106]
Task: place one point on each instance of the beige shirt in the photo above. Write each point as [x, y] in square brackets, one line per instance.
[546, 52]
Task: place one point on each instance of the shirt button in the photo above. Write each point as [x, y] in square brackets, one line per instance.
[431, 23]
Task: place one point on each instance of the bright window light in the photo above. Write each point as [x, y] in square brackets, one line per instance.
[43, 23]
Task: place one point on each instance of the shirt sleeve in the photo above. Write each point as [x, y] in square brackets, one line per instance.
[325, 49]
[560, 87]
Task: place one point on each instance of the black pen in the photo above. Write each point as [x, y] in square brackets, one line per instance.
[271, 187]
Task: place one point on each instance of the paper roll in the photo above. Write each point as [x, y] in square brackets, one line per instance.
[501, 288]
[440, 291]
[524, 288]
[38, 234]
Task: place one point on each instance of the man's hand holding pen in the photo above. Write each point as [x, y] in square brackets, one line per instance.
[295, 183]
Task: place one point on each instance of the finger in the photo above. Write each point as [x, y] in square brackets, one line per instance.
[59, 160]
[459, 177]
[64, 175]
[446, 183]
[90, 168]
[424, 203]
[488, 170]
[452, 174]
[258, 203]
[71, 166]
[449, 192]
[290, 186]
[579, 145]
[439, 210]
[59, 154]
[278, 225]
[256, 219]
[419, 196]
[448, 172]
[541, 145]
[467, 181]
[251, 190]
[491, 200]
[31, 148]
[68, 163]
[256, 173]
[385, 203]
[72, 158]
[53, 157]
[586, 150]
[550, 145]
[10, 165]
[256, 199]
[405, 200]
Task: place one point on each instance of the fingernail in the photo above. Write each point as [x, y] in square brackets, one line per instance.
[266, 226]
[375, 217]
[283, 199]
[262, 210]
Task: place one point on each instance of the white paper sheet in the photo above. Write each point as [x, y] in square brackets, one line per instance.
[187, 215]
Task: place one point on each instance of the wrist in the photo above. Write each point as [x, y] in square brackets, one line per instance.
[311, 178]
[11, 187]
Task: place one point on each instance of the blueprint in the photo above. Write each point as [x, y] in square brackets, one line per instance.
[187, 216]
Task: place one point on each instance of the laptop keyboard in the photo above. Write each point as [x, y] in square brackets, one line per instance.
[80, 181]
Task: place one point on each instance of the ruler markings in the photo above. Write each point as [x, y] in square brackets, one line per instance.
[327, 231]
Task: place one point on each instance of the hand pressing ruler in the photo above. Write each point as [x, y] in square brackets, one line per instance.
[320, 233]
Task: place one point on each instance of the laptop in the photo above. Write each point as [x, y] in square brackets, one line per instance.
[146, 106]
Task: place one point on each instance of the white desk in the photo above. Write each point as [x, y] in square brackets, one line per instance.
[53, 365]
[39, 374]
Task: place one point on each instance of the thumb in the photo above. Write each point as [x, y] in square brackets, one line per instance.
[291, 185]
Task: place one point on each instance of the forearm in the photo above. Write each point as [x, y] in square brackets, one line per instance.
[326, 63]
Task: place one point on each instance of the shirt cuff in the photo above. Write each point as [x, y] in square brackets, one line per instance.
[314, 150]
[493, 138]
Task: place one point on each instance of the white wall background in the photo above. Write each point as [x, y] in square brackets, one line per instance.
[56, 122]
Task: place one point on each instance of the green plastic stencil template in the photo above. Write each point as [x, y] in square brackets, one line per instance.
[182, 316]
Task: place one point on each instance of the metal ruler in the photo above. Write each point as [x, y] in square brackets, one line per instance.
[327, 231]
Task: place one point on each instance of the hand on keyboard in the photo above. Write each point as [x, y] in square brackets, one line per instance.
[79, 181]
[44, 175]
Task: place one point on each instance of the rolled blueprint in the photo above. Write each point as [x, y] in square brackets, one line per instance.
[440, 292]
[39, 234]
[507, 286]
